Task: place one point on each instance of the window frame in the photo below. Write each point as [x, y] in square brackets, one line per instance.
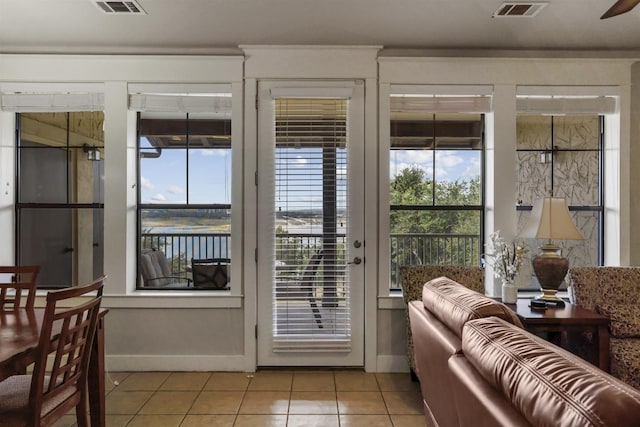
[228, 297]
[528, 285]
[385, 91]
[19, 206]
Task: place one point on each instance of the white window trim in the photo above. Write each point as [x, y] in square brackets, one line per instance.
[233, 298]
[386, 298]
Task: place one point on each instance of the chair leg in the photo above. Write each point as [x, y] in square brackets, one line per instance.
[316, 312]
[82, 411]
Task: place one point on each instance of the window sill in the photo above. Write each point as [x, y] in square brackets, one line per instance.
[173, 299]
[391, 302]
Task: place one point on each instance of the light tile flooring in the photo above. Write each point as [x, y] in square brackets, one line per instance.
[267, 398]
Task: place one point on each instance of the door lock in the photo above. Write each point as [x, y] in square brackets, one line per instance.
[357, 244]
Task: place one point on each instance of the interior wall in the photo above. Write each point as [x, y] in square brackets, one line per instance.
[162, 331]
[634, 148]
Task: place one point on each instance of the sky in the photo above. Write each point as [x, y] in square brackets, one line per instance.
[163, 179]
[451, 165]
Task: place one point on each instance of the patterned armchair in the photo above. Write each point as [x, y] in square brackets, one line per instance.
[413, 278]
[615, 293]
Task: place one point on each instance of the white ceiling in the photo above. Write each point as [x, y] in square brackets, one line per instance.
[209, 26]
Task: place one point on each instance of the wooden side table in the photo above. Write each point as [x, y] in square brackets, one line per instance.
[571, 318]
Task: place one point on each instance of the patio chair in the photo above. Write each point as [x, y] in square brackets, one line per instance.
[22, 282]
[211, 273]
[156, 272]
[67, 334]
[302, 288]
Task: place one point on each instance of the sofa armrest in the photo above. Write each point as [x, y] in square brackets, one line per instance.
[477, 403]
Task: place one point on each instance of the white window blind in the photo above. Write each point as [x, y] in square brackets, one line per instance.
[51, 97]
[408, 103]
[311, 296]
[181, 98]
[52, 102]
[209, 103]
[566, 105]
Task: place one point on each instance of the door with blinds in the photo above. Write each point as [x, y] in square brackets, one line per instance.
[310, 224]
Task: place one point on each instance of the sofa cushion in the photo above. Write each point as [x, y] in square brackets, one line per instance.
[455, 304]
[624, 319]
[548, 385]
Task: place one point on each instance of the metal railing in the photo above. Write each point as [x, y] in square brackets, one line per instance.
[181, 248]
[431, 249]
[296, 249]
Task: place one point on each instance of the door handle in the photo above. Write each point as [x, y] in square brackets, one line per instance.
[67, 250]
[356, 260]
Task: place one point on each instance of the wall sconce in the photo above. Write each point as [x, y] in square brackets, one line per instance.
[546, 157]
[93, 153]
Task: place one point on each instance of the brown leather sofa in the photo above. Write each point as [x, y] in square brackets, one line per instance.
[508, 377]
[478, 367]
[436, 324]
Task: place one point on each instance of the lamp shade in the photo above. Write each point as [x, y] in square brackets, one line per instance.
[550, 219]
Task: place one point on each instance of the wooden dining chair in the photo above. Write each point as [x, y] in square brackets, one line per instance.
[41, 398]
[17, 282]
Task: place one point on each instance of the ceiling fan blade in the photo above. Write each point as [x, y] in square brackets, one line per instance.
[620, 7]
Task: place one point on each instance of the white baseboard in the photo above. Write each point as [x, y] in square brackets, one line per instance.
[237, 363]
[177, 363]
[392, 363]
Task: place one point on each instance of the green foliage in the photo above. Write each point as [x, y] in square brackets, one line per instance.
[430, 236]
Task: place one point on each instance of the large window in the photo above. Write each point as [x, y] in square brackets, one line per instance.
[60, 196]
[563, 155]
[435, 183]
[184, 196]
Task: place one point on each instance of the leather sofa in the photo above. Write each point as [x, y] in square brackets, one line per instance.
[478, 367]
[413, 278]
[436, 324]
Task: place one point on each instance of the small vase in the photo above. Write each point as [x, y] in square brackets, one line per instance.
[509, 292]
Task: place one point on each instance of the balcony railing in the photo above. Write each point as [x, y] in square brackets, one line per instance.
[432, 249]
[295, 249]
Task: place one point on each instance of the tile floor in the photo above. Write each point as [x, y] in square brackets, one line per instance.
[267, 398]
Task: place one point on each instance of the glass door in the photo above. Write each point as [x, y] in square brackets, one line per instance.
[310, 222]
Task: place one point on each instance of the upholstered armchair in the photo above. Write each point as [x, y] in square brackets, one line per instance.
[615, 293]
[413, 278]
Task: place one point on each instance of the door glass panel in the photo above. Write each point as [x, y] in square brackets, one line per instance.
[311, 304]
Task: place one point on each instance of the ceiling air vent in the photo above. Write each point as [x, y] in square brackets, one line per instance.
[120, 7]
[519, 9]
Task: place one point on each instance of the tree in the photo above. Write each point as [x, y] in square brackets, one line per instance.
[411, 187]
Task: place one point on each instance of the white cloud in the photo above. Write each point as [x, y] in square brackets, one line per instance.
[145, 183]
[158, 198]
[208, 152]
[472, 170]
[174, 189]
[448, 159]
[300, 161]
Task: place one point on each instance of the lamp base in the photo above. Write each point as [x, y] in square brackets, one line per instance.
[550, 269]
[549, 295]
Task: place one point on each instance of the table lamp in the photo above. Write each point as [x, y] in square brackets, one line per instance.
[550, 219]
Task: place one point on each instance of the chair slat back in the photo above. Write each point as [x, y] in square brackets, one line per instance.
[68, 330]
[16, 283]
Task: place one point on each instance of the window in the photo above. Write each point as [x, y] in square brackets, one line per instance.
[60, 195]
[563, 155]
[184, 189]
[435, 181]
